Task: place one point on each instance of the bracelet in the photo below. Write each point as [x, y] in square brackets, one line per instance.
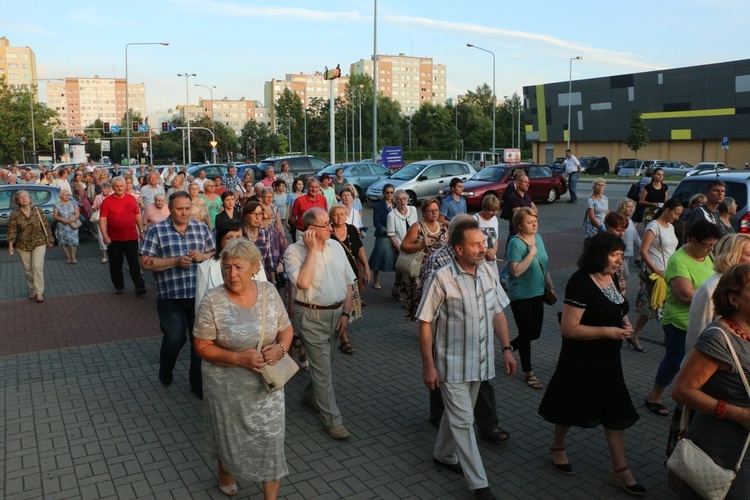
[283, 349]
[721, 408]
[348, 316]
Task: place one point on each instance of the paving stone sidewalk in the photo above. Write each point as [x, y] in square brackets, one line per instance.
[84, 415]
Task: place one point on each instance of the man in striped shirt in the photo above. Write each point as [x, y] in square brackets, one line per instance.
[463, 302]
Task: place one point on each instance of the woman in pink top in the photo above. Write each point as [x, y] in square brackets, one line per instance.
[156, 211]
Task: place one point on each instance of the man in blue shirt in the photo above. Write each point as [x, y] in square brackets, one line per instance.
[454, 204]
[173, 249]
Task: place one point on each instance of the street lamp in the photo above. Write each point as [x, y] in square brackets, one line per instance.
[127, 92]
[494, 97]
[187, 110]
[374, 87]
[33, 129]
[213, 128]
[359, 96]
[570, 89]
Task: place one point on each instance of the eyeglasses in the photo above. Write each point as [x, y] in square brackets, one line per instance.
[324, 226]
[432, 211]
[387, 192]
[256, 213]
[707, 244]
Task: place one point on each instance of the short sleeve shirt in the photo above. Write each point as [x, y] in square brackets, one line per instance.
[332, 273]
[676, 312]
[531, 282]
[120, 214]
[165, 242]
[450, 207]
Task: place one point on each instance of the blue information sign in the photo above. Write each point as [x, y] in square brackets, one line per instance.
[142, 128]
[392, 157]
[114, 129]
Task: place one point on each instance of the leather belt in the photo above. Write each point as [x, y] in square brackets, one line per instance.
[314, 307]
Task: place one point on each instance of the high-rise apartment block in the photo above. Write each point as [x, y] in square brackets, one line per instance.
[17, 65]
[306, 86]
[235, 113]
[411, 81]
[80, 101]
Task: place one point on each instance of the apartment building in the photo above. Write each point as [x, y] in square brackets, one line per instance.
[17, 65]
[80, 101]
[306, 86]
[411, 81]
[235, 113]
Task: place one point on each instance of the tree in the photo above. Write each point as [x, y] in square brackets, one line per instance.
[637, 133]
[432, 128]
[257, 136]
[289, 119]
[15, 123]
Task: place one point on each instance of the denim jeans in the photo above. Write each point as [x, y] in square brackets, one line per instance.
[573, 185]
[673, 356]
[176, 320]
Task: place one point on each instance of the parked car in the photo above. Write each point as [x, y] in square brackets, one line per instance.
[620, 163]
[544, 184]
[678, 168]
[708, 166]
[299, 166]
[737, 186]
[44, 197]
[559, 165]
[423, 179]
[212, 170]
[361, 175]
[594, 165]
[635, 168]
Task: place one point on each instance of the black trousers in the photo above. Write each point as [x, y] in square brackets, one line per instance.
[529, 314]
[119, 251]
[485, 414]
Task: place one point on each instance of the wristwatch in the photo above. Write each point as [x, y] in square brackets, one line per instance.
[508, 348]
[346, 314]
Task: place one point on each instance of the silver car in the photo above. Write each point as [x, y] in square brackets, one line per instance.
[677, 168]
[44, 197]
[423, 179]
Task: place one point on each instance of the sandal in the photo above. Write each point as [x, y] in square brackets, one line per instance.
[346, 348]
[565, 468]
[657, 408]
[532, 381]
[377, 286]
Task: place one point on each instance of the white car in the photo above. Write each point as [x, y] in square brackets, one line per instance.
[709, 166]
[423, 179]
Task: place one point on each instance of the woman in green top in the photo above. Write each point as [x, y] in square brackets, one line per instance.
[213, 200]
[687, 269]
[529, 271]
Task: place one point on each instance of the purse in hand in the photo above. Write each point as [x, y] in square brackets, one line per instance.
[274, 376]
[695, 467]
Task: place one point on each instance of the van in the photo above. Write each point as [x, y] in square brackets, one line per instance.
[481, 159]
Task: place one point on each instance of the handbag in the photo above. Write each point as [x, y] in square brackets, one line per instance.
[634, 193]
[549, 297]
[75, 224]
[695, 467]
[95, 217]
[275, 376]
[410, 264]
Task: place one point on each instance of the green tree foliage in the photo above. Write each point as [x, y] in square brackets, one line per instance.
[289, 119]
[201, 139]
[15, 123]
[637, 133]
[432, 128]
[258, 136]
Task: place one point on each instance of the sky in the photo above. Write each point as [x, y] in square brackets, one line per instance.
[238, 45]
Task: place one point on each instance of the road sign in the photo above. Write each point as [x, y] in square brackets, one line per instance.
[105, 145]
[172, 128]
[114, 129]
[143, 128]
[214, 150]
[725, 143]
[392, 157]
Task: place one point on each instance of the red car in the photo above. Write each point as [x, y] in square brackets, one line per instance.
[544, 184]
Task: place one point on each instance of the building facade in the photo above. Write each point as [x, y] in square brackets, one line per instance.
[79, 102]
[235, 113]
[17, 65]
[694, 114]
[411, 81]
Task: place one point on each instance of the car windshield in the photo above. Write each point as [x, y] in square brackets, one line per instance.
[408, 172]
[490, 174]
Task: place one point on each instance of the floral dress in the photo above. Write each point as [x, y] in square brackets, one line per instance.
[410, 291]
[66, 235]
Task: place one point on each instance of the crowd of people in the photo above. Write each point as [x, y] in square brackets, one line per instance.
[253, 272]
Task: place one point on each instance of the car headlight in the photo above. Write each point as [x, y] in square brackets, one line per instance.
[468, 193]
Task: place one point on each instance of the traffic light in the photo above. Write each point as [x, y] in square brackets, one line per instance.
[135, 126]
[164, 126]
[106, 127]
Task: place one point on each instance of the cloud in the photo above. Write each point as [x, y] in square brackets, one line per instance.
[541, 42]
[286, 13]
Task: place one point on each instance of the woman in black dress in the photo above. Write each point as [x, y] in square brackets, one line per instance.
[653, 196]
[588, 389]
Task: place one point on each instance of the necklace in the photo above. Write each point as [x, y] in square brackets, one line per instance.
[734, 326]
[432, 232]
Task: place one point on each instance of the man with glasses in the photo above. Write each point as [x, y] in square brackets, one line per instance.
[312, 198]
[321, 278]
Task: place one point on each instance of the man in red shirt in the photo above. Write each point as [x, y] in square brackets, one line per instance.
[121, 225]
[312, 198]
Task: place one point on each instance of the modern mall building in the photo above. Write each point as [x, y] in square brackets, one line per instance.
[694, 114]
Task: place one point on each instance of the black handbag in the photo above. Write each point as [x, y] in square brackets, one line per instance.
[634, 193]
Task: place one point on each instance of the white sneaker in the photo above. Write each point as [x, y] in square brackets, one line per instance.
[105, 260]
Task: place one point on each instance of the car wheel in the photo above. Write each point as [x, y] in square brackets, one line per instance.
[551, 196]
[412, 198]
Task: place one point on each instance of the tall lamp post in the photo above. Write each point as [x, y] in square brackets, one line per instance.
[127, 92]
[213, 127]
[570, 89]
[187, 109]
[33, 127]
[494, 97]
[374, 87]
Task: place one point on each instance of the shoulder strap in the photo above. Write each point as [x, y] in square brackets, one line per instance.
[262, 316]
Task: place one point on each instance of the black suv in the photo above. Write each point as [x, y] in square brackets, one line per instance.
[299, 166]
[593, 165]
